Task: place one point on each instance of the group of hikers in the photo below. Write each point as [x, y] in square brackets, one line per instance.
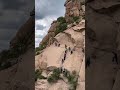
[67, 49]
[62, 70]
[57, 44]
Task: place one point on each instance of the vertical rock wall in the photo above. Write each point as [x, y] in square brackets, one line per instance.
[102, 34]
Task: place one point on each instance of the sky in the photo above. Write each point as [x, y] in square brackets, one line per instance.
[46, 11]
[13, 14]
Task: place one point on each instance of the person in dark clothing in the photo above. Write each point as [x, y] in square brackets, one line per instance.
[58, 45]
[88, 62]
[71, 52]
[65, 51]
[64, 70]
[64, 56]
[115, 58]
[62, 61]
[83, 50]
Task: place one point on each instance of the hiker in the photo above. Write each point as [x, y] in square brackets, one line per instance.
[65, 51]
[83, 50]
[63, 70]
[71, 52]
[62, 61]
[58, 45]
[64, 57]
[88, 62]
[115, 58]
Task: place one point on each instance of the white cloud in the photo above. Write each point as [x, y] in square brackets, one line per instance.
[46, 22]
[46, 12]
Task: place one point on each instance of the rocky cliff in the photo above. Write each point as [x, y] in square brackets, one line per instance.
[60, 59]
[103, 42]
[16, 71]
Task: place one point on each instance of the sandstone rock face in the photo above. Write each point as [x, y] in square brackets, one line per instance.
[74, 8]
[102, 39]
[18, 76]
[74, 39]
[25, 33]
[51, 33]
[64, 51]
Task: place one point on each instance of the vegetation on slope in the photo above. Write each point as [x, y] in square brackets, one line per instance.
[9, 57]
[41, 47]
[38, 75]
[62, 25]
[54, 77]
[71, 77]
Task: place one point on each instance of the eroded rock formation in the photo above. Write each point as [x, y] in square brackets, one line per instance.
[18, 76]
[102, 34]
[65, 51]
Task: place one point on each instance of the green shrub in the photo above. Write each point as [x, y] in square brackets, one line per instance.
[83, 16]
[61, 28]
[72, 80]
[61, 20]
[55, 76]
[37, 49]
[41, 47]
[37, 53]
[38, 75]
[5, 65]
[76, 18]
[62, 25]
[66, 74]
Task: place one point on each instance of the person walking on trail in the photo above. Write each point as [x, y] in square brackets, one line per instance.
[115, 58]
[58, 45]
[64, 57]
[63, 70]
[62, 61]
[71, 52]
[65, 51]
[69, 49]
[83, 50]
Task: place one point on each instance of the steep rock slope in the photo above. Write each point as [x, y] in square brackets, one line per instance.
[103, 38]
[63, 54]
[18, 73]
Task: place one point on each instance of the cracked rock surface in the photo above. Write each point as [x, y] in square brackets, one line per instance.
[102, 37]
